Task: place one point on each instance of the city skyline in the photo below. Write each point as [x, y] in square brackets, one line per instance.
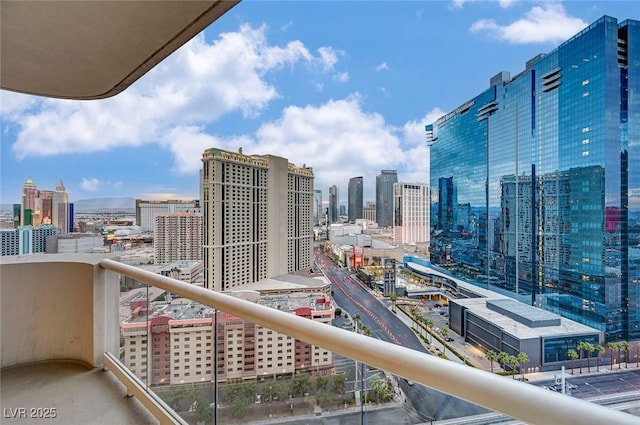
[307, 86]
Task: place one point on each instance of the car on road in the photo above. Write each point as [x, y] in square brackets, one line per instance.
[449, 339]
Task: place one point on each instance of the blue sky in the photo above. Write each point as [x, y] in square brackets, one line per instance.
[343, 87]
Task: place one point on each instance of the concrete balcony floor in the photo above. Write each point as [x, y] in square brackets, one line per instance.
[79, 396]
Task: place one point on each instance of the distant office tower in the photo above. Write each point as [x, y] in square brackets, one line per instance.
[146, 210]
[369, 211]
[258, 217]
[29, 195]
[343, 210]
[411, 213]
[317, 207]
[178, 236]
[355, 199]
[549, 163]
[384, 197]
[333, 204]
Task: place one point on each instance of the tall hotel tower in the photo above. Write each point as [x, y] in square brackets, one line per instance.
[546, 167]
[258, 217]
[410, 213]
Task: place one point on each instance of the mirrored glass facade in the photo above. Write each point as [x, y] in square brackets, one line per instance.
[538, 182]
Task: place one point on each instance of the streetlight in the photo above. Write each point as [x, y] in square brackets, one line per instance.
[597, 389]
[629, 383]
[270, 401]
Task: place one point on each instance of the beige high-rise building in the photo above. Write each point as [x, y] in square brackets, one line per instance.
[258, 217]
[177, 236]
[411, 213]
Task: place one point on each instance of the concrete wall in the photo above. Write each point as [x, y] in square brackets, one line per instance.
[56, 307]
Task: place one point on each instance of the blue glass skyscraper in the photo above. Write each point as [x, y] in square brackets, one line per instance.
[547, 167]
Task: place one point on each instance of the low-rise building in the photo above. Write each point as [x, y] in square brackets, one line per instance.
[75, 243]
[186, 271]
[177, 338]
[504, 324]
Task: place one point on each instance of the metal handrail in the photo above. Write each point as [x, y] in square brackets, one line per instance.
[519, 400]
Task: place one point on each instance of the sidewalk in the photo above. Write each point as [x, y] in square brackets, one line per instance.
[568, 373]
[326, 414]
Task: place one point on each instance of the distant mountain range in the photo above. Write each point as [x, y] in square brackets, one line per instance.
[104, 204]
[95, 204]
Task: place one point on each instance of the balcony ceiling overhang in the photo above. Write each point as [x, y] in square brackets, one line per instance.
[93, 49]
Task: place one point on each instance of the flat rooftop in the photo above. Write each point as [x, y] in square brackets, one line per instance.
[288, 282]
[564, 327]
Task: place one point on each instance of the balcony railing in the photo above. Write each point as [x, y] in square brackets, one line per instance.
[67, 309]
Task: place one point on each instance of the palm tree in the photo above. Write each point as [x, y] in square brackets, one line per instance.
[589, 348]
[502, 359]
[614, 346]
[599, 350]
[513, 362]
[523, 358]
[445, 332]
[429, 323]
[626, 346]
[572, 354]
[492, 356]
[581, 346]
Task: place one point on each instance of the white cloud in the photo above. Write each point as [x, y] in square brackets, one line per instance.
[341, 77]
[197, 85]
[337, 139]
[328, 57]
[188, 143]
[416, 164]
[505, 4]
[90, 184]
[548, 22]
[458, 4]
[382, 67]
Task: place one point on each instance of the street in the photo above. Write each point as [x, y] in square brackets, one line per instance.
[594, 386]
[351, 296]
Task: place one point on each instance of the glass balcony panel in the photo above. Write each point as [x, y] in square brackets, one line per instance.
[170, 342]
